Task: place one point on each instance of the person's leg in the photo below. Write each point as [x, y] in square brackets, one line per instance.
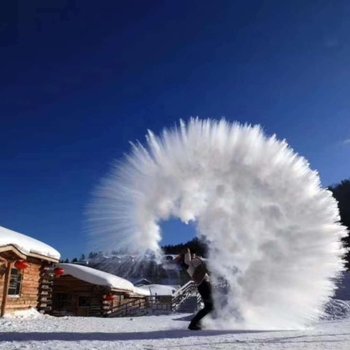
[195, 323]
[204, 290]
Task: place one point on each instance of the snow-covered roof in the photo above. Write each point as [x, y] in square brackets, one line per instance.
[160, 289]
[27, 245]
[100, 278]
[142, 291]
[142, 282]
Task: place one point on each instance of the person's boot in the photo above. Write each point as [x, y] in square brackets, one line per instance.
[194, 327]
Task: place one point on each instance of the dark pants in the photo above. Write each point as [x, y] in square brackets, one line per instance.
[204, 290]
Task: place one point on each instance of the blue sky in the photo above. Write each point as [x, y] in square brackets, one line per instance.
[80, 79]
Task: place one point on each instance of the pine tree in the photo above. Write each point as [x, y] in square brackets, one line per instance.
[341, 193]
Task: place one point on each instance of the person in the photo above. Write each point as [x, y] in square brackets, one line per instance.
[196, 268]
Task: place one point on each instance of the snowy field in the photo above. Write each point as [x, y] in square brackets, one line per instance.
[159, 332]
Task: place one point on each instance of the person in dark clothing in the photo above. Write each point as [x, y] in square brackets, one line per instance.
[196, 268]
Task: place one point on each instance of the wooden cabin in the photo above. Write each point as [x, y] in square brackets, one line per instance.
[26, 272]
[84, 291]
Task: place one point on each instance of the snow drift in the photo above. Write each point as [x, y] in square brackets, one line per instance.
[273, 232]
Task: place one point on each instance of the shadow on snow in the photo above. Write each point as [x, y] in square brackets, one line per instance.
[72, 336]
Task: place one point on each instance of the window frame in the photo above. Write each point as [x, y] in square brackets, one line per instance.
[17, 276]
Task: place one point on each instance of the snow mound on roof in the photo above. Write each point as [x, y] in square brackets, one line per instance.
[160, 289]
[27, 245]
[142, 291]
[100, 278]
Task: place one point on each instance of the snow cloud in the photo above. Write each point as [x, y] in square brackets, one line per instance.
[273, 232]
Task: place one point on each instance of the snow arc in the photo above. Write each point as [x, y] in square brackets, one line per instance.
[274, 234]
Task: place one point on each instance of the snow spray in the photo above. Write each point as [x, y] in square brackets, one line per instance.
[273, 233]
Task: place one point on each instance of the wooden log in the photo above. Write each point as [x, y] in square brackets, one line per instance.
[6, 287]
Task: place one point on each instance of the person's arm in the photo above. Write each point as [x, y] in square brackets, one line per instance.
[188, 257]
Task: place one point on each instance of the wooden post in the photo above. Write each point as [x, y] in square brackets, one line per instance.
[6, 288]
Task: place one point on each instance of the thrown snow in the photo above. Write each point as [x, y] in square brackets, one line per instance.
[160, 332]
[274, 233]
[27, 245]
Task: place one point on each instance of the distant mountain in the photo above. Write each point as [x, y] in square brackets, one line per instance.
[135, 269]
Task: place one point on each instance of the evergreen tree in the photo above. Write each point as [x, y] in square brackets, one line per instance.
[195, 245]
[341, 193]
[92, 255]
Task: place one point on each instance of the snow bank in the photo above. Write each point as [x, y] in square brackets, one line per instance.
[24, 314]
[26, 244]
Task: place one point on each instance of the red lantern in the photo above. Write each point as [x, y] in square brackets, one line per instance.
[21, 264]
[109, 297]
[58, 271]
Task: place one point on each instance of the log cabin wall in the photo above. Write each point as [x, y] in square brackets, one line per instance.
[3, 263]
[26, 293]
[29, 290]
[72, 296]
[29, 285]
[3, 268]
[45, 287]
[29, 293]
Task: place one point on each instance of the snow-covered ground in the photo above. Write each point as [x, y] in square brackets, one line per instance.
[159, 332]
[31, 330]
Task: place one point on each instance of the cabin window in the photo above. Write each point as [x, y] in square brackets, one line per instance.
[15, 283]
